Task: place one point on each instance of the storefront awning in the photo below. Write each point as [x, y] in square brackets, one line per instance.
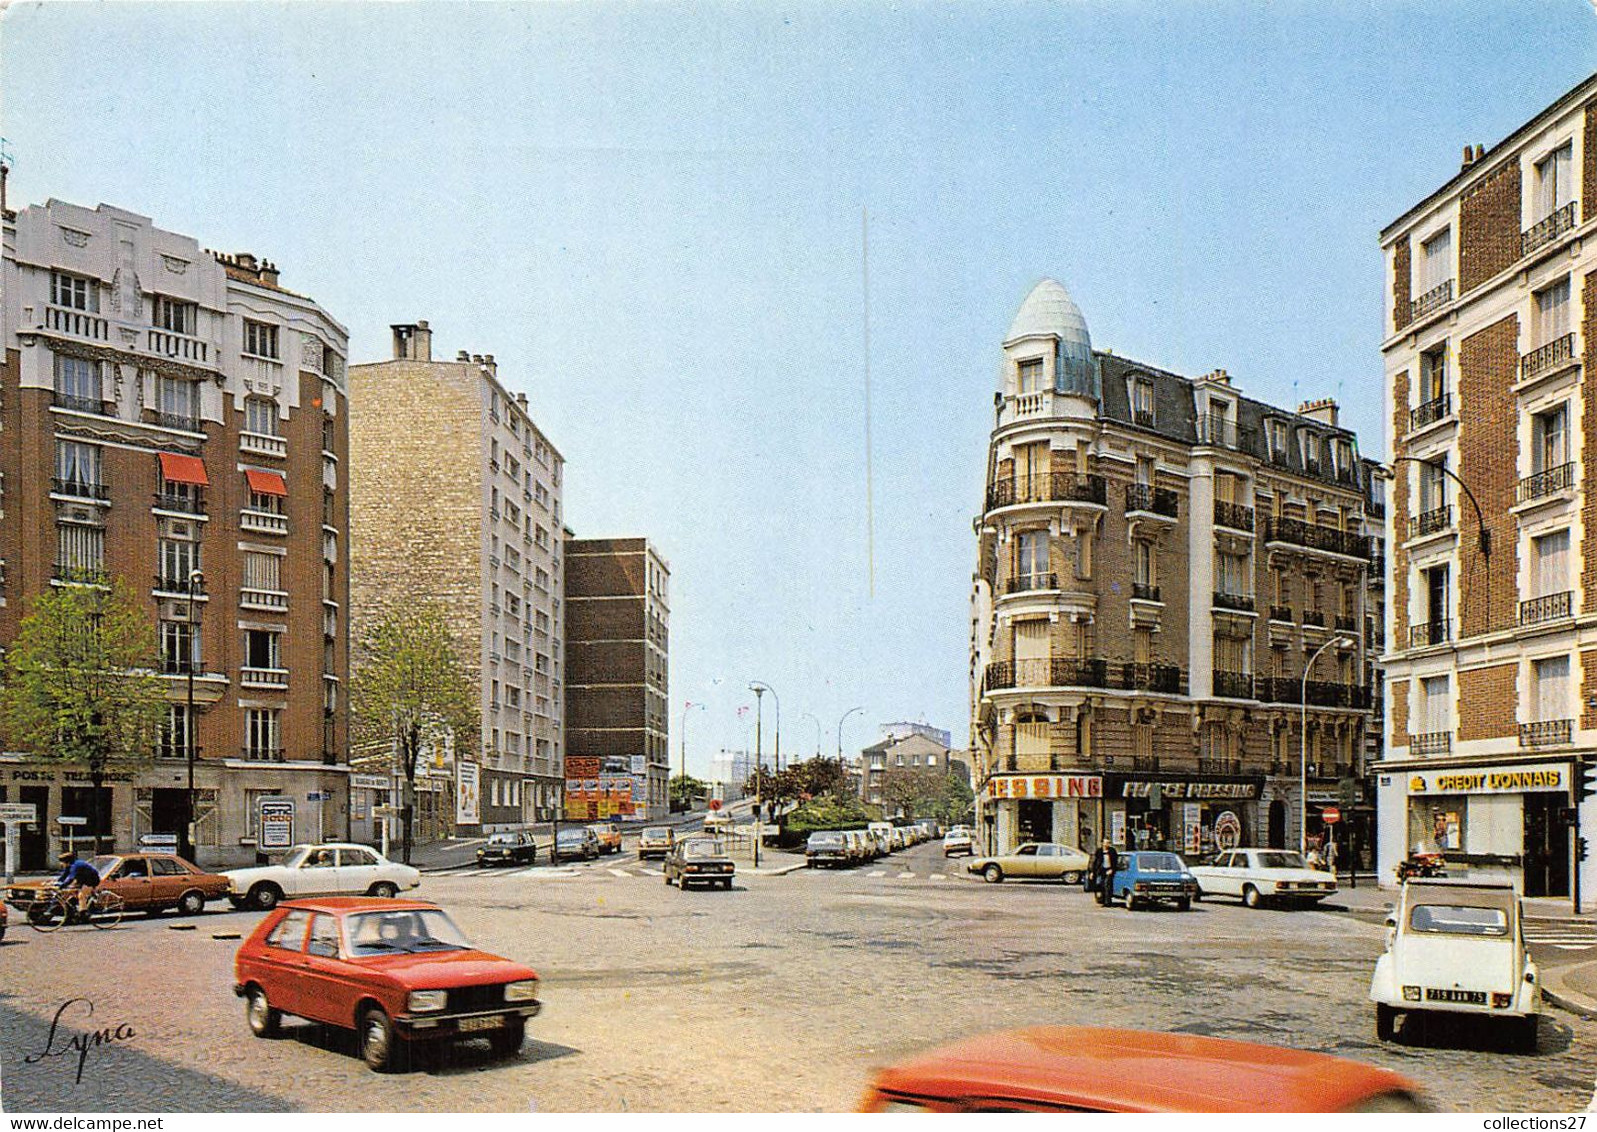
[266, 483]
[178, 468]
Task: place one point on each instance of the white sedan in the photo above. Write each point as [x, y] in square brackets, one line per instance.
[1260, 876]
[958, 841]
[1456, 947]
[329, 869]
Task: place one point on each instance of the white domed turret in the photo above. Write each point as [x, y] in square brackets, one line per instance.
[1050, 312]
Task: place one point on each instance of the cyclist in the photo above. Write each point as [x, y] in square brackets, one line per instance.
[80, 875]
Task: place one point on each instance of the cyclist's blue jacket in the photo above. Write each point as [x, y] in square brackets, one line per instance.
[80, 871]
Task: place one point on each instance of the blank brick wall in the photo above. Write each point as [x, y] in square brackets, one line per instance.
[1488, 222]
[1488, 700]
[1488, 446]
[1399, 697]
[1402, 274]
[1398, 510]
[1588, 496]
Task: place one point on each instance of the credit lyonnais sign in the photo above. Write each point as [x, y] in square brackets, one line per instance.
[1045, 786]
[1493, 780]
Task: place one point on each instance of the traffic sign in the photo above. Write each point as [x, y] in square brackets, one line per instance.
[153, 840]
[1330, 815]
[18, 812]
[73, 821]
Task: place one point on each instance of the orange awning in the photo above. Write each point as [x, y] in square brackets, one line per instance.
[266, 483]
[177, 468]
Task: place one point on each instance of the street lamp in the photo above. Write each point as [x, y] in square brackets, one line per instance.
[1303, 739]
[778, 700]
[685, 805]
[759, 691]
[196, 581]
[846, 714]
[812, 718]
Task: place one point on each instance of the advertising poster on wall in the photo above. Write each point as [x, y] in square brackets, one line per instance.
[467, 795]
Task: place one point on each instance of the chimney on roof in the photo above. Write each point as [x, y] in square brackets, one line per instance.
[1324, 410]
[521, 399]
[268, 273]
[462, 356]
[489, 365]
[413, 341]
[1218, 376]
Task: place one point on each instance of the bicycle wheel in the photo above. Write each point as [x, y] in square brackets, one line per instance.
[105, 911]
[47, 915]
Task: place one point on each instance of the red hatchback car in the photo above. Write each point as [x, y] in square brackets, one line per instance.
[398, 972]
[1082, 1069]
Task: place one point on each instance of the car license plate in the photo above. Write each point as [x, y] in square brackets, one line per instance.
[1438, 994]
[472, 1025]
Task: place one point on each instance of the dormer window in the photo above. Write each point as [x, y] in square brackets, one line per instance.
[1278, 441]
[1141, 396]
[1030, 375]
[1309, 443]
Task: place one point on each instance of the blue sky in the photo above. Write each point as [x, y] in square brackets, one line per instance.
[650, 215]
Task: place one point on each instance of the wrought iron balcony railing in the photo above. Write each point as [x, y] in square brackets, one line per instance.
[1546, 356]
[1548, 607]
[95, 405]
[1021, 583]
[1048, 487]
[1345, 623]
[1235, 685]
[1280, 613]
[80, 489]
[1219, 766]
[1224, 600]
[1430, 633]
[73, 574]
[178, 584]
[1234, 515]
[263, 754]
[1222, 431]
[1315, 617]
[1435, 520]
[1434, 299]
[1157, 500]
[183, 504]
[1545, 483]
[1547, 229]
[1144, 591]
[1316, 537]
[1430, 412]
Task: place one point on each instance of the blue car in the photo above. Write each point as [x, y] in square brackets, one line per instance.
[1145, 877]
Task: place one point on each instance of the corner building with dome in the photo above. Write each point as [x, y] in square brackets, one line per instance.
[1158, 558]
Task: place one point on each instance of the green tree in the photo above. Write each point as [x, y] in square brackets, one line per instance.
[801, 781]
[685, 790]
[926, 794]
[79, 683]
[828, 811]
[409, 691]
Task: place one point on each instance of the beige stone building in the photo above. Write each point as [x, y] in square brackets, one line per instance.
[455, 496]
[177, 417]
[1158, 560]
[1490, 305]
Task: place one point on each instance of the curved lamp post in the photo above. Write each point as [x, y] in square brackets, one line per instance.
[1303, 739]
[846, 714]
[686, 805]
[196, 581]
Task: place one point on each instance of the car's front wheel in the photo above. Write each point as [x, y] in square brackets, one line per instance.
[378, 1042]
[1385, 1022]
[507, 1042]
[1071, 878]
[386, 889]
[1251, 896]
[265, 896]
[1524, 1034]
[191, 903]
[992, 874]
[1184, 904]
[265, 1019]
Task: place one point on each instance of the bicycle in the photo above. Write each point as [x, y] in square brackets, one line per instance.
[60, 908]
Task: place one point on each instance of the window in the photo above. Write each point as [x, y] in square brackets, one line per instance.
[77, 466]
[324, 937]
[1436, 261]
[1233, 654]
[261, 732]
[1142, 401]
[80, 551]
[74, 291]
[290, 934]
[1031, 555]
[1555, 181]
[178, 401]
[1438, 601]
[1433, 373]
[177, 732]
[1146, 563]
[263, 571]
[1550, 687]
[78, 380]
[1551, 316]
[1434, 708]
[179, 557]
[1228, 487]
[1433, 484]
[175, 315]
[1231, 572]
[329, 434]
[263, 649]
[1030, 374]
[180, 646]
[1147, 469]
[1549, 439]
[260, 416]
[262, 501]
[260, 339]
[1550, 563]
[1278, 440]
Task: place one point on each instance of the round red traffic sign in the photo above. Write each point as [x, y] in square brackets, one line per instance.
[715, 803]
[1330, 815]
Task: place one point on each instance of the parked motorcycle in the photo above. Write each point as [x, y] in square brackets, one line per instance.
[1421, 865]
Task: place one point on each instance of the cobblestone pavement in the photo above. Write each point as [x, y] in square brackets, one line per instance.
[781, 994]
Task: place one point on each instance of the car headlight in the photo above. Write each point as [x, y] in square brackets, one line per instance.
[524, 991]
[421, 1001]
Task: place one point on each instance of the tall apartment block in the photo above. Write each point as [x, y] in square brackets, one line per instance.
[178, 418]
[1492, 661]
[1166, 571]
[618, 620]
[455, 498]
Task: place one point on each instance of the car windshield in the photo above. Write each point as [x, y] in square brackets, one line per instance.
[654, 833]
[1159, 862]
[1280, 860]
[502, 839]
[826, 839]
[295, 856]
[701, 848]
[403, 930]
[1458, 919]
[104, 865]
[569, 835]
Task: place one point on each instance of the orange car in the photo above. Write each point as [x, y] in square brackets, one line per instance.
[146, 882]
[609, 835]
[1081, 1069]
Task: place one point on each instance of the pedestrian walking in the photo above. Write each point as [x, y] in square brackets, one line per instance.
[1104, 863]
[1330, 855]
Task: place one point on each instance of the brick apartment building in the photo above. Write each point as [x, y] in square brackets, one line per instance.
[1157, 559]
[905, 748]
[618, 620]
[456, 497]
[1492, 668]
[168, 415]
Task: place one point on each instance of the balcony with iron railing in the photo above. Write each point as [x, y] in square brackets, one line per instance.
[1218, 430]
[181, 422]
[1434, 521]
[181, 666]
[186, 503]
[1547, 356]
[1049, 487]
[1150, 677]
[1234, 515]
[1430, 743]
[1219, 766]
[1548, 607]
[1281, 613]
[1315, 693]
[1430, 412]
[1240, 602]
[262, 754]
[1547, 733]
[1233, 685]
[75, 575]
[1023, 583]
[1083, 672]
[80, 489]
[1313, 536]
[1152, 500]
[1375, 509]
[1427, 633]
[178, 584]
[179, 752]
[1314, 618]
[77, 404]
[1544, 483]
[1346, 623]
[1144, 591]
[1548, 228]
[1433, 300]
[1143, 418]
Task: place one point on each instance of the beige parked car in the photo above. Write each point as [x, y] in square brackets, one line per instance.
[1035, 860]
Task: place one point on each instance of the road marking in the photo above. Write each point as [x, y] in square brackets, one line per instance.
[877, 873]
[545, 872]
[618, 872]
[906, 876]
[938, 876]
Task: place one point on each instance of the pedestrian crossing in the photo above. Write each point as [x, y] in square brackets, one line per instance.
[1564, 934]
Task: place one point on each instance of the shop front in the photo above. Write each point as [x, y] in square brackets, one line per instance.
[1490, 822]
[1064, 808]
[1189, 814]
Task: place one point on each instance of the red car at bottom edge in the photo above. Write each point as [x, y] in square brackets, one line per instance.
[397, 972]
